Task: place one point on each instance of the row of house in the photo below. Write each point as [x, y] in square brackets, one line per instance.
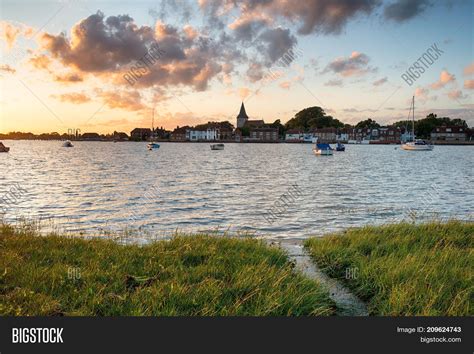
[256, 130]
[451, 133]
[382, 135]
[247, 131]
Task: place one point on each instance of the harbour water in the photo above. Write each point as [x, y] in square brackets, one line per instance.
[98, 187]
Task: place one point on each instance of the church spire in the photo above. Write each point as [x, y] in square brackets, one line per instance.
[242, 113]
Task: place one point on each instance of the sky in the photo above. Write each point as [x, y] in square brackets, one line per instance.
[104, 66]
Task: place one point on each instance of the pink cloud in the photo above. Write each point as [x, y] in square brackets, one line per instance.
[444, 78]
[456, 95]
[469, 84]
[469, 70]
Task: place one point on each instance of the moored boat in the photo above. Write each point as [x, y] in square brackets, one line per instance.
[415, 144]
[68, 144]
[4, 148]
[340, 147]
[152, 146]
[217, 146]
[323, 149]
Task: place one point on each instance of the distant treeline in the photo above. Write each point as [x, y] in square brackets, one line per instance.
[306, 120]
[315, 118]
[49, 136]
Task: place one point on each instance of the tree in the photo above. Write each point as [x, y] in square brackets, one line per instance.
[281, 127]
[312, 117]
[368, 123]
[425, 126]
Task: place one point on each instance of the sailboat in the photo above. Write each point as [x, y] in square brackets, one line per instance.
[152, 145]
[415, 144]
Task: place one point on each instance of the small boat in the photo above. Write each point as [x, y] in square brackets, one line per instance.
[67, 144]
[152, 146]
[217, 146]
[323, 149]
[4, 148]
[340, 147]
[416, 144]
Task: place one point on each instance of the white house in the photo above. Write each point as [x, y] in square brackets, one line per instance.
[202, 135]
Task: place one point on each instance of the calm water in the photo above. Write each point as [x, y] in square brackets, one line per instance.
[98, 186]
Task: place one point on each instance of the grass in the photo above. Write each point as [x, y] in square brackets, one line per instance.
[185, 276]
[404, 269]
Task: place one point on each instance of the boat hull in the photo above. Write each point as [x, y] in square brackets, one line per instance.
[217, 147]
[322, 152]
[411, 147]
[152, 146]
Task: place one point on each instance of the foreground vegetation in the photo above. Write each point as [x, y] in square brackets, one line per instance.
[195, 275]
[404, 269]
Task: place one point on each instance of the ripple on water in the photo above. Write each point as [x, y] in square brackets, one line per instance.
[187, 187]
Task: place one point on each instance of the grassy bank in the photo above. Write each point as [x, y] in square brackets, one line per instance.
[404, 269]
[195, 275]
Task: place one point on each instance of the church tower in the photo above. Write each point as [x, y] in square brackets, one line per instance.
[242, 117]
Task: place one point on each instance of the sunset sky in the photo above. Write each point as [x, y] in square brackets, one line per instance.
[63, 62]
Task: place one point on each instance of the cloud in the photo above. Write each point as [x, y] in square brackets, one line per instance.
[444, 78]
[422, 93]
[404, 10]
[76, 98]
[311, 16]
[245, 28]
[110, 46]
[334, 82]
[277, 44]
[127, 100]
[68, 78]
[244, 92]
[456, 95]
[9, 33]
[100, 44]
[357, 64]
[255, 72]
[41, 62]
[469, 84]
[285, 85]
[380, 81]
[469, 70]
[7, 69]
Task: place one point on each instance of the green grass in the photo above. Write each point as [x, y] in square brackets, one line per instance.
[186, 276]
[404, 269]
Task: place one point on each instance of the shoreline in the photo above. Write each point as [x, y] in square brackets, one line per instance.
[218, 274]
[438, 143]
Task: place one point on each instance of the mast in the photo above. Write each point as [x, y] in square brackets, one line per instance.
[153, 124]
[413, 121]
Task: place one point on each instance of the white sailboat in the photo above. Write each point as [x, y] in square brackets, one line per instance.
[152, 145]
[415, 144]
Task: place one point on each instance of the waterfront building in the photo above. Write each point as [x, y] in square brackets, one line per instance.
[449, 133]
[257, 129]
[140, 134]
[294, 136]
[90, 136]
[179, 134]
[326, 135]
